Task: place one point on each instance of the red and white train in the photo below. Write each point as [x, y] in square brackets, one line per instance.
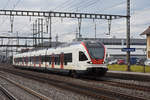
[85, 57]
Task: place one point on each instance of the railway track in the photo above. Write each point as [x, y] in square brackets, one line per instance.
[7, 93]
[128, 85]
[142, 78]
[119, 84]
[12, 97]
[84, 89]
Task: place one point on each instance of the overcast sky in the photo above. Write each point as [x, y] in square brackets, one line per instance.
[66, 28]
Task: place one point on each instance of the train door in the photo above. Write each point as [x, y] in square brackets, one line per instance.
[53, 60]
[62, 60]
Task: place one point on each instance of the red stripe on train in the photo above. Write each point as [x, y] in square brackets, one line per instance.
[62, 61]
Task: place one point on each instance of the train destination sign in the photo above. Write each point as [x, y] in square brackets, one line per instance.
[128, 49]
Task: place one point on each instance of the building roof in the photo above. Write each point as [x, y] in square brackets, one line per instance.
[146, 32]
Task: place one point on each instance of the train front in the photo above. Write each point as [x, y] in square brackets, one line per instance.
[96, 53]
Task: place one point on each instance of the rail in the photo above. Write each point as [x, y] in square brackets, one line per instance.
[42, 97]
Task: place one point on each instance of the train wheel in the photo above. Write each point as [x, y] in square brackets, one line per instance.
[74, 74]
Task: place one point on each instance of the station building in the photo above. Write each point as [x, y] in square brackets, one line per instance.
[147, 33]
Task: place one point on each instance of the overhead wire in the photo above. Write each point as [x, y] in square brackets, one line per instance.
[114, 5]
[85, 4]
[6, 4]
[110, 7]
[57, 7]
[68, 2]
[88, 4]
[62, 5]
[74, 6]
[71, 5]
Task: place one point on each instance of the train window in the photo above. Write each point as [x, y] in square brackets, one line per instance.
[26, 60]
[37, 59]
[46, 58]
[22, 60]
[57, 60]
[96, 50]
[42, 59]
[50, 59]
[65, 63]
[32, 59]
[29, 59]
[68, 57]
[82, 56]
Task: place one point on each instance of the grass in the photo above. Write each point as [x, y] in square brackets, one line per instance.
[134, 68]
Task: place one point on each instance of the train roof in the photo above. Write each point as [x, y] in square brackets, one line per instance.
[79, 42]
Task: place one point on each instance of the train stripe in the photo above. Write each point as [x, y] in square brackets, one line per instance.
[53, 59]
[62, 61]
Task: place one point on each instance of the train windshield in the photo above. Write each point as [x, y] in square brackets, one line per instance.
[96, 50]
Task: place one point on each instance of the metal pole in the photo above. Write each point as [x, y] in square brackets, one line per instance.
[17, 39]
[42, 32]
[128, 33]
[144, 68]
[38, 30]
[2, 41]
[95, 30]
[50, 30]
[12, 21]
[36, 27]
[17, 42]
[79, 23]
[47, 21]
[56, 40]
[33, 33]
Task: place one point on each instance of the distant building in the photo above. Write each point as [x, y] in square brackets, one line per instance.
[147, 33]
